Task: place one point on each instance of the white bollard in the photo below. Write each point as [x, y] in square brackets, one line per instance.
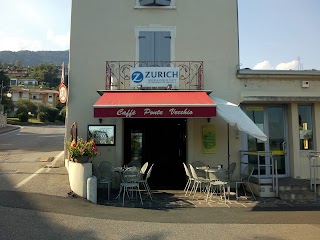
[92, 189]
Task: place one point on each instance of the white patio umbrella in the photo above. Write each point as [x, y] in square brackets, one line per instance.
[234, 116]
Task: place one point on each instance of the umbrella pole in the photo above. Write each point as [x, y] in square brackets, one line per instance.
[228, 150]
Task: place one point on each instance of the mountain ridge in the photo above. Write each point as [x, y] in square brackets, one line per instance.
[34, 58]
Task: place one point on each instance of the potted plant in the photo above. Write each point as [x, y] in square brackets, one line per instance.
[81, 151]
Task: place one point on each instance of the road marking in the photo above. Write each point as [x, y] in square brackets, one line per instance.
[55, 160]
[24, 181]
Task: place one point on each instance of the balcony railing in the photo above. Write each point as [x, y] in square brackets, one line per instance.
[118, 74]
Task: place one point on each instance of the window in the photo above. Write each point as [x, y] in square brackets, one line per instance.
[155, 3]
[305, 127]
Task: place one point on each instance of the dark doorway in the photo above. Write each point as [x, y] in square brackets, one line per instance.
[161, 142]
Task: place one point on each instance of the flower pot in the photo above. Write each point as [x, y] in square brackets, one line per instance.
[82, 159]
[78, 176]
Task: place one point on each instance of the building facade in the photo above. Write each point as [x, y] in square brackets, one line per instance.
[48, 97]
[110, 39]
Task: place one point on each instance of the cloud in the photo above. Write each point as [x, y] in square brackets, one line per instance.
[265, 65]
[293, 65]
[18, 44]
[62, 40]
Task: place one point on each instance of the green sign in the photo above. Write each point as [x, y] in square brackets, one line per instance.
[208, 138]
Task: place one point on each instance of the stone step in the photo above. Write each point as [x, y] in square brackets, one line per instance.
[297, 195]
[285, 188]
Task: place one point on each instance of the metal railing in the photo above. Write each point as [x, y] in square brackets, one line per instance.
[314, 164]
[273, 165]
[118, 73]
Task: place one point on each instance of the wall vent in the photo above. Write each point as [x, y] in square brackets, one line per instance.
[305, 84]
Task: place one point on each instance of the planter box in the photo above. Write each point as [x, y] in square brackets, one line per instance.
[78, 175]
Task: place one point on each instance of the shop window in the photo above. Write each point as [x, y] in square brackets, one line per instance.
[305, 127]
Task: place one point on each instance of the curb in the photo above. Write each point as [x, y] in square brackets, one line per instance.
[9, 128]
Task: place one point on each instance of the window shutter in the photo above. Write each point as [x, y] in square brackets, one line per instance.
[163, 48]
[146, 47]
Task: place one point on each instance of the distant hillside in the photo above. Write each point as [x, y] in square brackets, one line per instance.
[31, 58]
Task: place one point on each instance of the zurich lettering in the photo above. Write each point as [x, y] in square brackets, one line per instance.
[174, 111]
[128, 113]
[162, 74]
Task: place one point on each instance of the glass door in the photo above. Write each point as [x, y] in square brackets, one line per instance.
[277, 129]
[272, 120]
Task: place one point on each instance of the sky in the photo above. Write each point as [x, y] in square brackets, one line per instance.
[273, 34]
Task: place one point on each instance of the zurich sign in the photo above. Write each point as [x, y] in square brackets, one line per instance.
[137, 77]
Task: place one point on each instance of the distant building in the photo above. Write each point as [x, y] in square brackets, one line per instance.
[16, 73]
[48, 97]
[23, 82]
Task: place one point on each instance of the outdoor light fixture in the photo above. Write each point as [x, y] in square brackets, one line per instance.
[100, 120]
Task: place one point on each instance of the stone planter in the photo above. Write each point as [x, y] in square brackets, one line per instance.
[78, 175]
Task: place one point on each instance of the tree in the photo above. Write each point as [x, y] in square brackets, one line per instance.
[22, 113]
[4, 87]
[7, 104]
[46, 73]
[5, 79]
[18, 64]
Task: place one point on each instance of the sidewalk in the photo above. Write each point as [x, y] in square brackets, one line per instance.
[9, 128]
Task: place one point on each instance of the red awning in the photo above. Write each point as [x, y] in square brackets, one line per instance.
[166, 104]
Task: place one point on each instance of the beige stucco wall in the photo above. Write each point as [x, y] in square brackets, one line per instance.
[106, 31]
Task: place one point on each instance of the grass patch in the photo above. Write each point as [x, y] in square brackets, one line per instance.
[31, 121]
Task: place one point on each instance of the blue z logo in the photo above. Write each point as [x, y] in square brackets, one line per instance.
[137, 77]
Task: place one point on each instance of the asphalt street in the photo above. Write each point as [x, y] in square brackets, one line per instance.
[42, 209]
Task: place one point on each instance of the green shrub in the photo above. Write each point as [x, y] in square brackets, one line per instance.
[29, 105]
[23, 117]
[42, 116]
[52, 114]
[62, 115]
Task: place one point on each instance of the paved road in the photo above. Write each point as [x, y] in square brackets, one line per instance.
[31, 160]
[34, 205]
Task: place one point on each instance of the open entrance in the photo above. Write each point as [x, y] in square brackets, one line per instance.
[161, 142]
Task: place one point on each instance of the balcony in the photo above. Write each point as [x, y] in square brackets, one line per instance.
[118, 74]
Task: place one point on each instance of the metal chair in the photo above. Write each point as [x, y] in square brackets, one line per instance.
[200, 173]
[245, 181]
[197, 181]
[218, 183]
[144, 168]
[144, 182]
[101, 180]
[130, 183]
[231, 169]
[105, 169]
[190, 179]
